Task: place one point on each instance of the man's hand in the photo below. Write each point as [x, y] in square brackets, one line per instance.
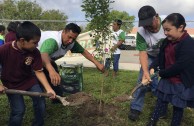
[145, 82]
[55, 78]
[146, 78]
[100, 67]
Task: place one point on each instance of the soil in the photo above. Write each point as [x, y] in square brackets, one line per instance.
[95, 112]
[122, 98]
[82, 98]
[79, 98]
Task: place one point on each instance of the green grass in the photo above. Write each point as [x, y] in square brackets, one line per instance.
[58, 115]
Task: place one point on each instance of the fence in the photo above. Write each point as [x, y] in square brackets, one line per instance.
[45, 24]
[60, 24]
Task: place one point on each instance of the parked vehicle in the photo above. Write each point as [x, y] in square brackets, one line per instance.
[130, 42]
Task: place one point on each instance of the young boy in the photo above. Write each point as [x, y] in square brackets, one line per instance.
[21, 66]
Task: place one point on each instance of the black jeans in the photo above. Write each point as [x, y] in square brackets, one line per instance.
[58, 90]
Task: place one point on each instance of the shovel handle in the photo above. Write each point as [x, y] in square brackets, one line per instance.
[27, 93]
[141, 85]
[37, 94]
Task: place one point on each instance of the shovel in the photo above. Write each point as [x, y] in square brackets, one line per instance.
[37, 94]
[126, 97]
[142, 84]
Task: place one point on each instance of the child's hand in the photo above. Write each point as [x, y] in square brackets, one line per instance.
[2, 88]
[151, 71]
[51, 91]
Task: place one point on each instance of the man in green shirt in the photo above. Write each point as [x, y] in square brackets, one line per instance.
[54, 45]
[149, 35]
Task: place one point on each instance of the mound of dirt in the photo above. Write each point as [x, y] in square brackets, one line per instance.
[94, 112]
[79, 98]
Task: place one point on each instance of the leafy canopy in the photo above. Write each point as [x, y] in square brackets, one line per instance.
[26, 10]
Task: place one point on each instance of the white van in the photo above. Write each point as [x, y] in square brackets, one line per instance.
[130, 42]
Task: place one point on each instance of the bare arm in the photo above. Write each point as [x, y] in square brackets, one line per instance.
[54, 76]
[42, 78]
[88, 56]
[143, 57]
[117, 45]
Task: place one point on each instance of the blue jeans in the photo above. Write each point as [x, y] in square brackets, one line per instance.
[116, 58]
[139, 94]
[18, 108]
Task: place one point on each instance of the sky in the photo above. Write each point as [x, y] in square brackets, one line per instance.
[72, 8]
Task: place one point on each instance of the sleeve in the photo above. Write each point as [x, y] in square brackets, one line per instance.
[141, 44]
[184, 60]
[77, 48]
[122, 36]
[37, 63]
[49, 46]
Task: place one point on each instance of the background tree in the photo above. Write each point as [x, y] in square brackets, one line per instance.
[53, 15]
[124, 16]
[26, 10]
[128, 20]
[8, 10]
[97, 13]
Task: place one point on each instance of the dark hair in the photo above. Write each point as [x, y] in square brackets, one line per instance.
[27, 30]
[17, 23]
[118, 21]
[176, 19]
[12, 27]
[2, 28]
[146, 14]
[73, 27]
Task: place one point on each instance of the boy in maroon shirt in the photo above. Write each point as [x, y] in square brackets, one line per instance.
[21, 67]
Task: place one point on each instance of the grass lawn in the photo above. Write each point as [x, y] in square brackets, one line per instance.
[58, 115]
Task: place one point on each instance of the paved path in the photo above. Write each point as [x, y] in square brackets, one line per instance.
[129, 60]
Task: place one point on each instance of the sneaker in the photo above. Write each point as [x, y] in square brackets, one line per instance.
[106, 73]
[163, 116]
[134, 115]
[114, 74]
[152, 122]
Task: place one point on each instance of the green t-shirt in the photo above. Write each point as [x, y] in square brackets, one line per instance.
[148, 41]
[50, 46]
[77, 48]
